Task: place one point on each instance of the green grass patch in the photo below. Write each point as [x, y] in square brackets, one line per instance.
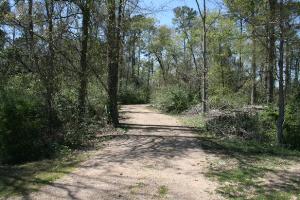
[135, 188]
[248, 169]
[162, 191]
[25, 178]
[196, 121]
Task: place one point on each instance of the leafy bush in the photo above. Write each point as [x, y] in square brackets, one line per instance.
[97, 101]
[267, 123]
[132, 95]
[21, 128]
[75, 133]
[292, 123]
[226, 99]
[172, 99]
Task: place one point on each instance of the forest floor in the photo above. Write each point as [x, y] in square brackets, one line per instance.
[159, 158]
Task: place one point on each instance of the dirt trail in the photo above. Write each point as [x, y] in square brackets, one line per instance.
[157, 159]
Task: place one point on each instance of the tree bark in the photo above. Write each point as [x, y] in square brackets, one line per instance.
[221, 66]
[30, 30]
[272, 50]
[281, 106]
[162, 67]
[240, 70]
[133, 57]
[82, 93]
[296, 79]
[113, 37]
[287, 69]
[49, 76]
[204, 55]
[254, 68]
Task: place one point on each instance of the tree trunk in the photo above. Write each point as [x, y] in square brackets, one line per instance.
[150, 67]
[240, 71]
[296, 79]
[272, 50]
[221, 66]
[281, 87]
[82, 93]
[205, 67]
[287, 69]
[133, 58]
[113, 37]
[253, 67]
[266, 74]
[162, 67]
[30, 30]
[204, 55]
[122, 61]
[49, 76]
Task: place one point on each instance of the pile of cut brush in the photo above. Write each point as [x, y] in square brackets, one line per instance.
[243, 122]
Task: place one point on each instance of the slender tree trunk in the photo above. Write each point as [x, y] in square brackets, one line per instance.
[266, 74]
[82, 93]
[127, 75]
[281, 86]
[113, 37]
[30, 30]
[221, 66]
[254, 68]
[197, 70]
[122, 60]
[150, 67]
[287, 69]
[139, 60]
[49, 76]
[162, 67]
[205, 67]
[133, 58]
[204, 55]
[240, 74]
[194, 59]
[296, 79]
[272, 50]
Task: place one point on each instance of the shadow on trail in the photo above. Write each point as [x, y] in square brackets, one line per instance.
[160, 128]
[143, 147]
[129, 148]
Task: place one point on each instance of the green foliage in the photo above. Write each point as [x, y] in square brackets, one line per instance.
[196, 121]
[23, 120]
[267, 123]
[133, 95]
[97, 101]
[162, 191]
[183, 17]
[21, 128]
[76, 134]
[224, 98]
[292, 123]
[29, 177]
[172, 99]
[247, 167]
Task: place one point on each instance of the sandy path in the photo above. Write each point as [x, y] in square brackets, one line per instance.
[157, 159]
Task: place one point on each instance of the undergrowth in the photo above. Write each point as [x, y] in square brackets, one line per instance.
[249, 169]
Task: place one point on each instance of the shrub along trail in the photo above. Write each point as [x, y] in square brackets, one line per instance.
[157, 158]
